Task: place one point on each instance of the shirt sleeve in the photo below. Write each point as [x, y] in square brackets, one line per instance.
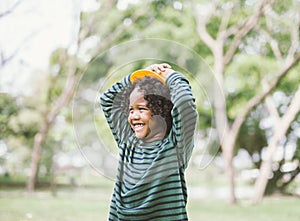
[115, 115]
[184, 116]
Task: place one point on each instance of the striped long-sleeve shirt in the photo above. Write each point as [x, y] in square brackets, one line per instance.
[150, 182]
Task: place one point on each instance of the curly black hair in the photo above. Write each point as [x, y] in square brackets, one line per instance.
[157, 96]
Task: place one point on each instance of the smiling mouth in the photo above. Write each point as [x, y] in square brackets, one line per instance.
[138, 126]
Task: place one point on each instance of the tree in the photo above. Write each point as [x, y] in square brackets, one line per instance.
[282, 123]
[280, 128]
[225, 35]
[48, 120]
[91, 25]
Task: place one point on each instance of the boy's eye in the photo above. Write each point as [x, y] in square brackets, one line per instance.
[143, 108]
[131, 110]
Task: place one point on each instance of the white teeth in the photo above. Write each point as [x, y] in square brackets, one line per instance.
[138, 125]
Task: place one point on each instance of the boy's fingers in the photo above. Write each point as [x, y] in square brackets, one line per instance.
[165, 65]
[159, 67]
[156, 68]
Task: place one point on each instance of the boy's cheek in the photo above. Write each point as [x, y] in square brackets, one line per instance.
[128, 120]
[158, 123]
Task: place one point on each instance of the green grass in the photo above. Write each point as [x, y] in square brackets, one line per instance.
[93, 204]
[66, 206]
[271, 209]
[90, 201]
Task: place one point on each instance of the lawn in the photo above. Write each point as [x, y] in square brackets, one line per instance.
[90, 201]
[42, 206]
[271, 209]
[92, 204]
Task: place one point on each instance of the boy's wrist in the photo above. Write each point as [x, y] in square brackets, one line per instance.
[167, 72]
[173, 76]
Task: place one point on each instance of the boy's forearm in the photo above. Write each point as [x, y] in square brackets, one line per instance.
[180, 88]
[108, 97]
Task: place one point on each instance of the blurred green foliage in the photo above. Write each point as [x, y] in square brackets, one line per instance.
[20, 117]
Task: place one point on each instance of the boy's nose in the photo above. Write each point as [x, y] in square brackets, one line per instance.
[135, 115]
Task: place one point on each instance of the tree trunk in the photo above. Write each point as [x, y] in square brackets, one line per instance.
[53, 186]
[224, 131]
[35, 157]
[226, 134]
[227, 150]
[279, 131]
[50, 117]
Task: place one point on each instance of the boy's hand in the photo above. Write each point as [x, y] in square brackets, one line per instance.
[163, 69]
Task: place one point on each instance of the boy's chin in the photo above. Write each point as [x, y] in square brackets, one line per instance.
[139, 136]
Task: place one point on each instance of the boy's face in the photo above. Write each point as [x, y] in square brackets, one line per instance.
[146, 127]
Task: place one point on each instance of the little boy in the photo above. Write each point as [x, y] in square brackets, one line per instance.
[152, 116]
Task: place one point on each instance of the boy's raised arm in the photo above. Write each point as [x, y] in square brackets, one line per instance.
[115, 114]
[184, 115]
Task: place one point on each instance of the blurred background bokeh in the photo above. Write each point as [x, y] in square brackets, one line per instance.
[56, 57]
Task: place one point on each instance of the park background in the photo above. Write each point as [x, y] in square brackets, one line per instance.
[56, 57]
